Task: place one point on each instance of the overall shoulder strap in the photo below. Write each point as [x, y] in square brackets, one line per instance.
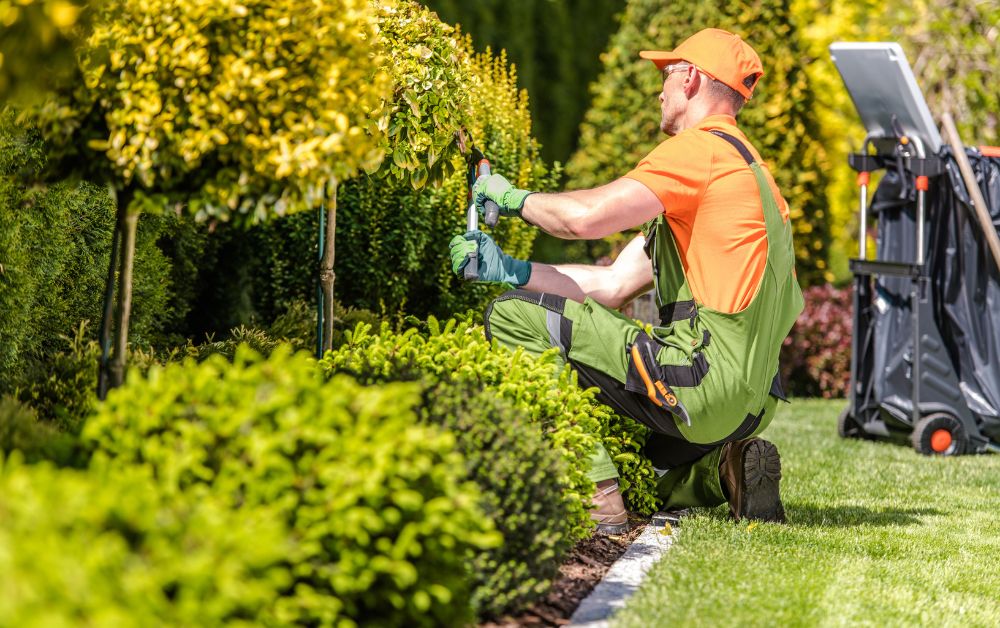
[738, 145]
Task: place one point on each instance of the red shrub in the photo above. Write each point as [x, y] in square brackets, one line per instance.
[816, 356]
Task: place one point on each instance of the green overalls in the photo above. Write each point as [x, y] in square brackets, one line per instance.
[701, 379]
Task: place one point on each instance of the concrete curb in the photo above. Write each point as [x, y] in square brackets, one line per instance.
[624, 577]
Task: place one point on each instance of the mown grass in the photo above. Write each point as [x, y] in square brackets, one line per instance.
[878, 535]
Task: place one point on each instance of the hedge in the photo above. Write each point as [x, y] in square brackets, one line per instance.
[622, 125]
[54, 247]
[111, 549]
[569, 417]
[522, 486]
[376, 501]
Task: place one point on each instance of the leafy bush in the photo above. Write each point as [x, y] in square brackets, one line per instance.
[568, 416]
[522, 484]
[110, 549]
[622, 125]
[816, 356]
[392, 240]
[62, 386]
[376, 500]
[20, 430]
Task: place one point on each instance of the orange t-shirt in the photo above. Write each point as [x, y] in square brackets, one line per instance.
[712, 204]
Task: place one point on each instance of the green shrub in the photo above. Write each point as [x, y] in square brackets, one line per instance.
[110, 549]
[522, 484]
[54, 247]
[20, 430]
[569, 417]
[62, 386]
[376, 501]
[622, 125]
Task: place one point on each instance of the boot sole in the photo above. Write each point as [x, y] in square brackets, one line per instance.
[761, 476]
[611, 529]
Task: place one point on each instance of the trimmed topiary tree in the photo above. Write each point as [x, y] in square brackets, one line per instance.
[622, 125]
[238, 111]
[393, 239]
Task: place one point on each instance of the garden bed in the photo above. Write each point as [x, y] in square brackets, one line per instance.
[583, 569]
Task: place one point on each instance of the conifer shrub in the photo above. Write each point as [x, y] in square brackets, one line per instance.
[101, 549]
[54, 246]
[569, 417]
[376, 501]
[61, 386]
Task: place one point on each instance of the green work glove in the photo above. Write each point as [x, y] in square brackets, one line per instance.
[495, 266]
[499, 190]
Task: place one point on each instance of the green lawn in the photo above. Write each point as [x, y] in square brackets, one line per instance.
[878, 535]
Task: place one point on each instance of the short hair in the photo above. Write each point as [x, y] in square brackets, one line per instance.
[720, 91]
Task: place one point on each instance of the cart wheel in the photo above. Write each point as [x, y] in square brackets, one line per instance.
[846, 426]
[939, 434]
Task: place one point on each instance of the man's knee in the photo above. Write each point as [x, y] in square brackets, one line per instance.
[532, 320]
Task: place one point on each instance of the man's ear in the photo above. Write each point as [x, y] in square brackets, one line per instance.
[692, 81]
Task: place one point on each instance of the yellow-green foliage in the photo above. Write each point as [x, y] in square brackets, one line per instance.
[570, 417]
[622, 124]
[103, 549]
[393, 240]
[954, 47]
[36, 49]
[375, 502]
[841, 132]
[430, 101]
[243, 107]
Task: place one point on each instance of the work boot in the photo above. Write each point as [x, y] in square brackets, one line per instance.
[750, 471]
[609, 509]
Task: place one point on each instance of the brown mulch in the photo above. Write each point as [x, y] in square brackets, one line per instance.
[585, 566]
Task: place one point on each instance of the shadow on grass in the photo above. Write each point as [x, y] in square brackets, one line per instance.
[805, 514]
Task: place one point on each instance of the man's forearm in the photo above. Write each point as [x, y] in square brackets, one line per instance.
[576, 281]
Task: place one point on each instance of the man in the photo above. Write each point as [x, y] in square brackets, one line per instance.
[716, 247]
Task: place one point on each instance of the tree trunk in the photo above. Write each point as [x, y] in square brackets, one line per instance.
[107, 319]
[129, 221]
[326, 274]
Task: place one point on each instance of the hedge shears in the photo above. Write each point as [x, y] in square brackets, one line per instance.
[478, 166]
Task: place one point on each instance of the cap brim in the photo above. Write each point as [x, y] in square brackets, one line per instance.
[660, 57]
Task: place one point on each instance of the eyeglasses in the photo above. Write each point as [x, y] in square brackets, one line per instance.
[676, 67]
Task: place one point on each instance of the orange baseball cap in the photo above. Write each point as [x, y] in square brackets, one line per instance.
[718, 53]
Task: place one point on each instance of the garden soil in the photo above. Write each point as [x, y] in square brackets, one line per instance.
[583, 569]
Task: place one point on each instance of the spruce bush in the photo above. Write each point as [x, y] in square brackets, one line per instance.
[376, 501]
[103, 549]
